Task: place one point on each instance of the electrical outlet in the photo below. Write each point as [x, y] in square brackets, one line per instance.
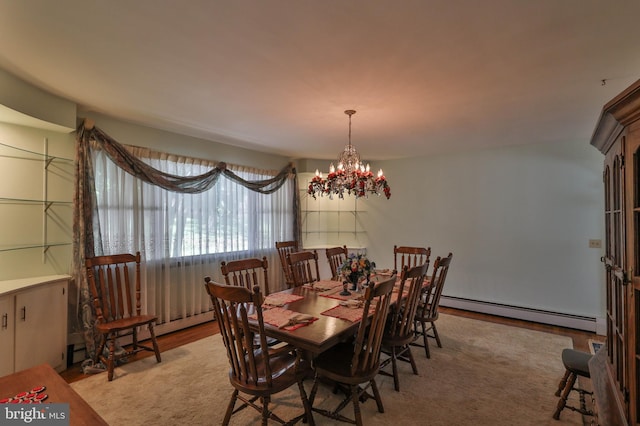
[595, 243]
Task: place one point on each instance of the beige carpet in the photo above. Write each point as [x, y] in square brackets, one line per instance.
[486, 374]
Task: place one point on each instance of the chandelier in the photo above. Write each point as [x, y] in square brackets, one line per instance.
[351, 176]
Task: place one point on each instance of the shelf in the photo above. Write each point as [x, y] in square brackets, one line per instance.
[32, 246]
[41, 162]
[30, 155]
[4, 200]
[330, 223]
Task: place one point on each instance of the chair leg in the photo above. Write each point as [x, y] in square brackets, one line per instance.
[355, 397]
[98, 353]
[394, 366]
[314, 389]
[411, 360]
[435, 334]
[425, 339]
[565, 393]
[376, 394]
[306, 404]
[265, 410]
[154, 342]
[563, 382]
[134, 335]
[111, 358]
[232, 403]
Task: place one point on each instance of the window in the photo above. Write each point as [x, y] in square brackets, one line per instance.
[225, 219]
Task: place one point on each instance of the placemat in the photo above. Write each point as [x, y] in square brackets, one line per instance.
[280, 299]
[348, 313]
[323, 285]
[280, 317]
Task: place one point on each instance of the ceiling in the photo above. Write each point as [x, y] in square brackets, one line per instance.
[424, 76]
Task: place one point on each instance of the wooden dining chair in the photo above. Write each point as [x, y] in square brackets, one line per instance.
[398, 334]
[284, 248]
[354, 363]
[304, 267]
[256, 374]
[427, 312]
[247, 273]
[409, 256]
[336, 257]
[117, 306]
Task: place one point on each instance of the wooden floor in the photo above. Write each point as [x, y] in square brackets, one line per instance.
[179, 338]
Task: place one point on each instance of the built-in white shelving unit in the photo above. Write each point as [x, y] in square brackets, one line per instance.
[25, 199]
[330, 222]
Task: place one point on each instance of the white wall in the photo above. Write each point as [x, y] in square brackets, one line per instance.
[22, 103]
[517, 219]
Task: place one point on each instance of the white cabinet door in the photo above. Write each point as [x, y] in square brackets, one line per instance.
[7, 321]
[41, 326]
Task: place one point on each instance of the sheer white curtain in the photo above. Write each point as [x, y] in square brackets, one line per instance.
[184, 237]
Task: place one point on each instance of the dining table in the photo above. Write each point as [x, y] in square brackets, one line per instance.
[43, 384]
[327, 316]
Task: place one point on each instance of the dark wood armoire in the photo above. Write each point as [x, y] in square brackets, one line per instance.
[615, 373]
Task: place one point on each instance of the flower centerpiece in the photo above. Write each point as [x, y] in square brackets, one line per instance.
[356, 267]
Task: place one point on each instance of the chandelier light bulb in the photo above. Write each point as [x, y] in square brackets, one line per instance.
[368, 168]
[332, 169]
[380, 174]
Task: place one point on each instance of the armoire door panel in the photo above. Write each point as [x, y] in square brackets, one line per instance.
[618, 295]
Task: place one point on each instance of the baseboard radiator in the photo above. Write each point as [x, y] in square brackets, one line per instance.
[527, 314]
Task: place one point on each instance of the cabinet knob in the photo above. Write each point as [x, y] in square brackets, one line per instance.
[5, 321]
[23, 313]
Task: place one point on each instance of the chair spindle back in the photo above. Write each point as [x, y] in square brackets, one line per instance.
[402, 315]
[336, 257]
[247, 273]
[366, 352]
[409, 256]
[304, 266]
[233, 306]
[284, 248]
[110, 284]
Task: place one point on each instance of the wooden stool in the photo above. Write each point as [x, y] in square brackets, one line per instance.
[576, 364]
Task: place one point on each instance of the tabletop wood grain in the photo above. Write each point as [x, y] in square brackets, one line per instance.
[57, 389]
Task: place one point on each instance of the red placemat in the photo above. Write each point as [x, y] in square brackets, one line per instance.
[280, 317]
[323, 285]
[346, 312]
[281, 299]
